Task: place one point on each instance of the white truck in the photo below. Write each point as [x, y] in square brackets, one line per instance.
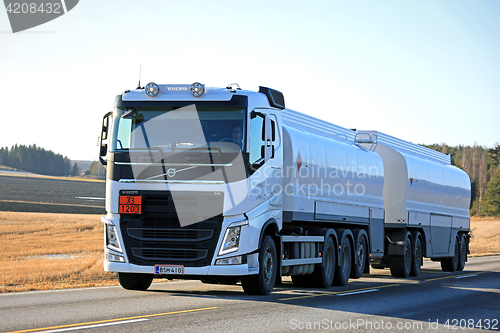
[226, 185]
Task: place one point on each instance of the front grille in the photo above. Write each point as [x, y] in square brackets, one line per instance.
[156, 236]
[170, 235]
[170, 254]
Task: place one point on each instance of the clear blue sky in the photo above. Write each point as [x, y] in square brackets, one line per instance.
[424, 71]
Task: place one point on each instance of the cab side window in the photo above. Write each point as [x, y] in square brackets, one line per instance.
[256, 138]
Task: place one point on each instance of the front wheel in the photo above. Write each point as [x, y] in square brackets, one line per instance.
[263, 282]
[135, 281]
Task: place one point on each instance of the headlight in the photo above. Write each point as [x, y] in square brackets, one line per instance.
[112, 238]
[231, 240]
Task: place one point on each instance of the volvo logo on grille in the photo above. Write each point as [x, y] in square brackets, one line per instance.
[171, 172]
[123, 192]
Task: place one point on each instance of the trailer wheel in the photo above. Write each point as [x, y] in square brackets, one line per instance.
[401, 265]
[135, 281]
[360, 258]
[323, 274]
[462, 255]
[451, 264]
[344, 271]
[417, 257]
[263, 282]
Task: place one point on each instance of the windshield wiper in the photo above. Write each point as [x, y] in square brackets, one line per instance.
[148, 149]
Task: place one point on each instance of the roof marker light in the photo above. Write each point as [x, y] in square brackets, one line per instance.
[197, 89]
[152, 89]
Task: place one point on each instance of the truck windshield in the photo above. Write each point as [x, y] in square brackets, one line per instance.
[169, 129]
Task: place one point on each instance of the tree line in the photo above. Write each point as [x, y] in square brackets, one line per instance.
[483, 167]
[96, 170]
[35, 159]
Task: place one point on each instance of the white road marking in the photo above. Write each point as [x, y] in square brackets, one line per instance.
[357, 292]
[34, 292]
[94, 326]
[465, 276]
[90, 198]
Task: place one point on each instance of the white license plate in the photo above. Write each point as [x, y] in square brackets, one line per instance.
[169, 269]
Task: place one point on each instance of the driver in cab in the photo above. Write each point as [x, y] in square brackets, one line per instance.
[237, 135]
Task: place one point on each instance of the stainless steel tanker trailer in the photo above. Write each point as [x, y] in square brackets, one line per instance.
[227, 185]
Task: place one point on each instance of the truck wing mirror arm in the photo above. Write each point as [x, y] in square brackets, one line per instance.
[254, 114]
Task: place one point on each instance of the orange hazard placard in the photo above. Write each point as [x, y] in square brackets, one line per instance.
[130, 205]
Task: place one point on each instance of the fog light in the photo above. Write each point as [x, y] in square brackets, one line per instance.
[114, 257]
[152, 89]
[197, 89]
[238, 260]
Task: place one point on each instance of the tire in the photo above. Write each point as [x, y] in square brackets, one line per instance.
[323, 274]
[462, 254]
[361, 251]
[344, 268]
[401, 265]
[417, 257]
[135, 281]
[451, 264]
[263, 282]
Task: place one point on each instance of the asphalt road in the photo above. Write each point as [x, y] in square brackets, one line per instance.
[373, 303]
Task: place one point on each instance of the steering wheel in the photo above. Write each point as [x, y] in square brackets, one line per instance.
[230, 140]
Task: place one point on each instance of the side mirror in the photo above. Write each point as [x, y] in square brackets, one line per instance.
[273, 130]
[263, 151]
[103, 148]
[105, 126]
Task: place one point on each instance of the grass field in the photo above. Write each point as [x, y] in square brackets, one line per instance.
[53, 251]
[485, 236]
